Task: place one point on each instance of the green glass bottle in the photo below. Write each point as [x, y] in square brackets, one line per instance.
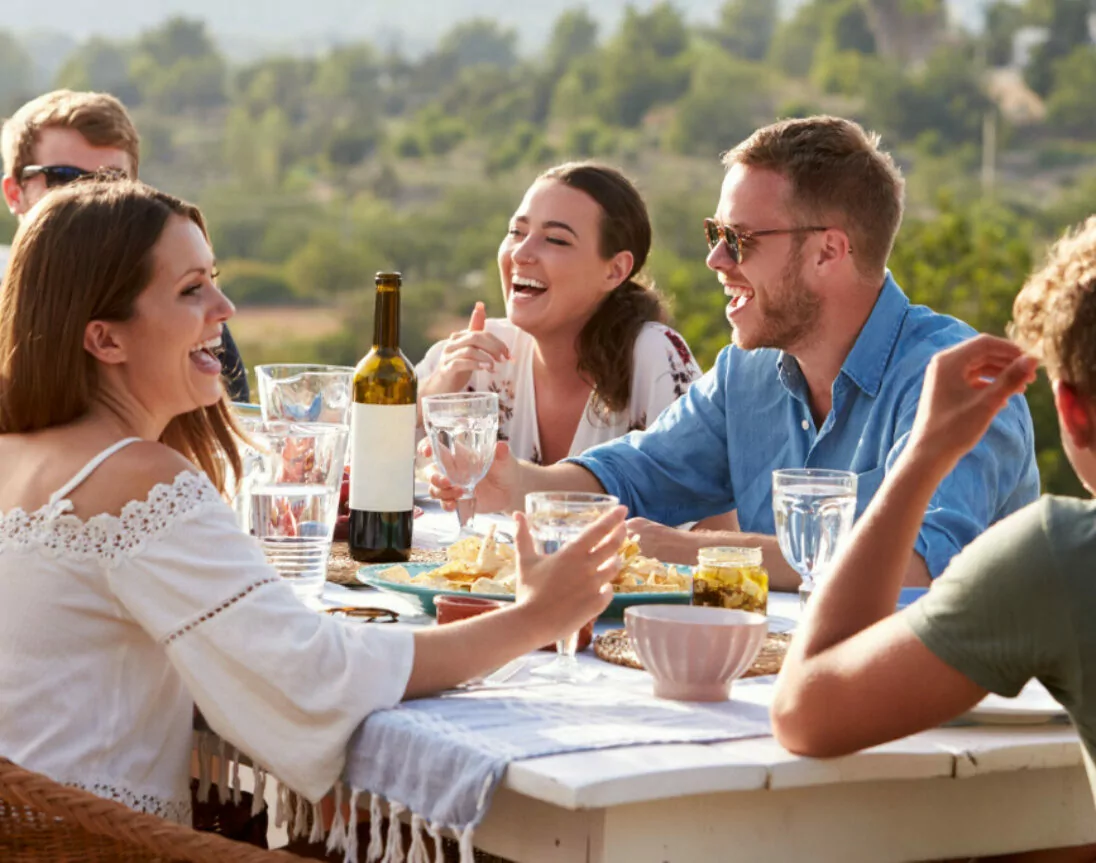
[382, 431]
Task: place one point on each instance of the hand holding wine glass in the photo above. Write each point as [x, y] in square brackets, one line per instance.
[463, 430]
[572, 586]
[557, 519]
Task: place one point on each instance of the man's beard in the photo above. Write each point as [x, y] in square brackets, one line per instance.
[787, 315]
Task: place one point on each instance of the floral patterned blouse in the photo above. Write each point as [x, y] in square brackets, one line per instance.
[663, 370]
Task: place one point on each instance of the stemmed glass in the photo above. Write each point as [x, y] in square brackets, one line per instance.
[555, 519]
[463, 430]
[814, 510]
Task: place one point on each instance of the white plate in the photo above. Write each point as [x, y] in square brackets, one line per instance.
[1033, 706]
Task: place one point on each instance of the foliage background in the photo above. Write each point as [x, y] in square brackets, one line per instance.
[316, 170]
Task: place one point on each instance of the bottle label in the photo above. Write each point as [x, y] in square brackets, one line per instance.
[382, 458]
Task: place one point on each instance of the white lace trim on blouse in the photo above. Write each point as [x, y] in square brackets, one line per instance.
[105, 537]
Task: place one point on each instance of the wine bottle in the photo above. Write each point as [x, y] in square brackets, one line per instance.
[382, 430]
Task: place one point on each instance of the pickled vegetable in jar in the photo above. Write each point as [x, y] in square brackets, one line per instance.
[729, 577]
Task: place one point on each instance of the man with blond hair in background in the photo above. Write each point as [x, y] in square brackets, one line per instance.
[64, 135]
[825, 369]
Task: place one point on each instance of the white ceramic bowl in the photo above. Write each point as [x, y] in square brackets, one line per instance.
[693, 652]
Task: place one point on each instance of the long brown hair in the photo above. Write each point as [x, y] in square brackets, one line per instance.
[86, 255]
[606, 345]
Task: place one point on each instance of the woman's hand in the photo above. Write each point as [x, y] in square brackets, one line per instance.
[464, 352]
[494, 493]
[571, 587]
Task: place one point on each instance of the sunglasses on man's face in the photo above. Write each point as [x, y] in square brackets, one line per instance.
[737, 240]
[60, 175]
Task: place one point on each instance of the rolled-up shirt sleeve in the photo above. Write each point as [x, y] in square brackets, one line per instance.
[996, 478]
[677, 470]
[276, 679]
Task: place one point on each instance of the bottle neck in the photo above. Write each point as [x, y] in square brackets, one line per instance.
[386, 317]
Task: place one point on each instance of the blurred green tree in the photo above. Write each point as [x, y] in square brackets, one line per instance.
[745, 27]
[1067, 29]
[1071, 106]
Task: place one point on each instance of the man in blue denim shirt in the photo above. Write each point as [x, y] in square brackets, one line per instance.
[825, 370]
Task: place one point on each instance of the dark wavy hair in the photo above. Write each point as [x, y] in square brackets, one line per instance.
[606, 345]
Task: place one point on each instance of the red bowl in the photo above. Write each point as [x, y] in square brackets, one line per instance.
[453, 608]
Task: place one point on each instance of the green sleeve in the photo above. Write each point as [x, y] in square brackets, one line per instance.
[996, 615]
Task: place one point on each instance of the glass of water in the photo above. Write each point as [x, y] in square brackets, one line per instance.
[555, 518]
[814, 511]
[463, 430]
[305, 393]
[293, 488]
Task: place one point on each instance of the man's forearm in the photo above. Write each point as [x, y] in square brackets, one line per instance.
[564, 476]
[682, 546]
[863, 585]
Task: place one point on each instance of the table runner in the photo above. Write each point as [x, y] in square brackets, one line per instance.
[442, 758]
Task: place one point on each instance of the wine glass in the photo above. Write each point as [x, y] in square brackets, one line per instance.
[555, 519]
[814, 511]
[463, 430]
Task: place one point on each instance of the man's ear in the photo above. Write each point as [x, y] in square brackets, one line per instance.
[13, 195]
[101, 341]
[1076, 414]
[619, 268]
[835, 247]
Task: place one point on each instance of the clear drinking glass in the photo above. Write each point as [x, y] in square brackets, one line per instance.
[463, 430]
[293, 486]
[814, 511]
[555, 518]
[306, 393]
[251, 466]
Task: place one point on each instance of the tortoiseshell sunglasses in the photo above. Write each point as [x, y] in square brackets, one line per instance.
[736, 240]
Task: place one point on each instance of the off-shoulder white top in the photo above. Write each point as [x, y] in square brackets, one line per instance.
[112, 628]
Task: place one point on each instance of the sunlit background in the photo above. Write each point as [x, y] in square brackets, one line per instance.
[327, 140]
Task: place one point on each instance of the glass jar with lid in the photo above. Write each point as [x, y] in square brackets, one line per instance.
[730, 577]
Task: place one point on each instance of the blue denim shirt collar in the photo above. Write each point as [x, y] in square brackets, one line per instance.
[869, 356]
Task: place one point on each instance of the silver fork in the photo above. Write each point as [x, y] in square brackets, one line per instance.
[497, 678]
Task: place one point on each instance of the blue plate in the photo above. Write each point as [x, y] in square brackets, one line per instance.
[909, 595]
[425, 595]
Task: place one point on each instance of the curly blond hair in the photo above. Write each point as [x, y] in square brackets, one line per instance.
[1054, 315]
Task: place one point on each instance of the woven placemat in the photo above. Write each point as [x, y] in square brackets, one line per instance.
[342, 568]
[614, 646]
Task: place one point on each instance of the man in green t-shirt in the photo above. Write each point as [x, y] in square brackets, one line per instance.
[1017, 603]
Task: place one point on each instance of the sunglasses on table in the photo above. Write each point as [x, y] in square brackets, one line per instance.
[737, 240]
[60, 175]
[364, 613]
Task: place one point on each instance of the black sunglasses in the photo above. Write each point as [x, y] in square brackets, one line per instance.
[60, 175]
[737, 240]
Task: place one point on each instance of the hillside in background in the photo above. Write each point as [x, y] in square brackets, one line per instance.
[251, 27]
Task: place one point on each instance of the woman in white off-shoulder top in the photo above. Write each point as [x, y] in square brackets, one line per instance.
[127, 592]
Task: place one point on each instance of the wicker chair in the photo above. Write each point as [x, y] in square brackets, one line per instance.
[41, 820]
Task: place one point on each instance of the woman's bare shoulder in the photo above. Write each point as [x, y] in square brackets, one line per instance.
[129, 475]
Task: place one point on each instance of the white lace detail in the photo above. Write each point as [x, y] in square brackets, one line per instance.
[107, 537]
[178, 811]
[213, 612]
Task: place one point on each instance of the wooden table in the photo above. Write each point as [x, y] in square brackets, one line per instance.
[950, 792]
